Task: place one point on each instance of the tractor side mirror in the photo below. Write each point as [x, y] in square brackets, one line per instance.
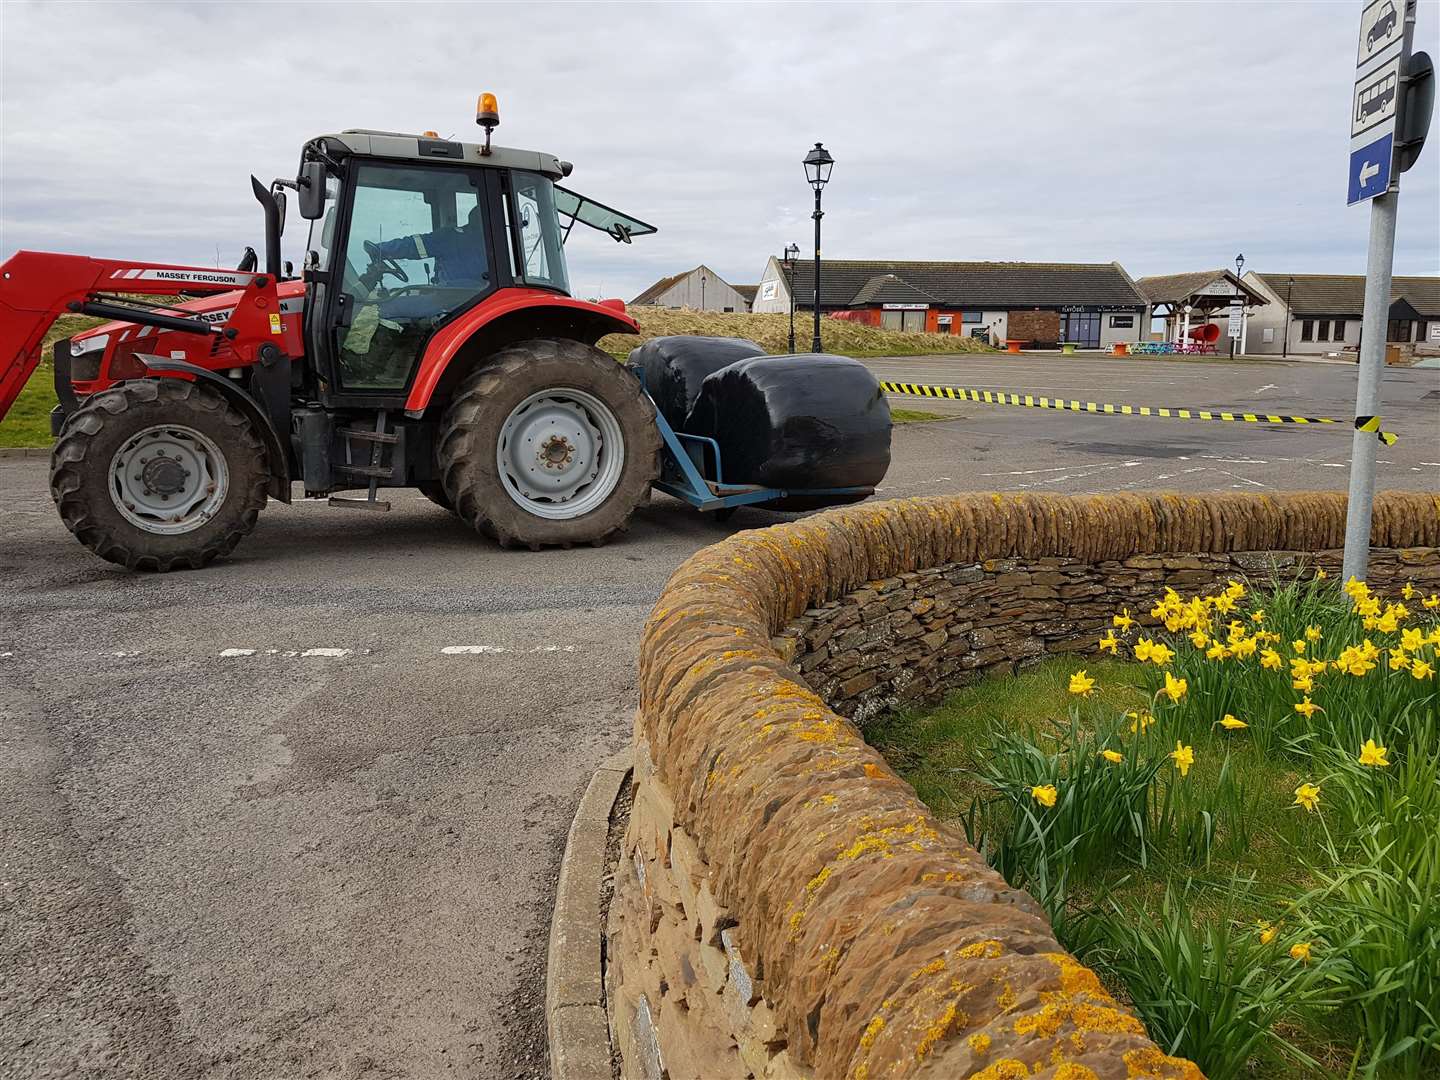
[312, 190]
[280, 207]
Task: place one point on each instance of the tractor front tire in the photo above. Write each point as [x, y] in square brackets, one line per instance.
[159, 474]
[549, 442]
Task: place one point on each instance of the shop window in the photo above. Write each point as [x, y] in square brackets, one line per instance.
[1307, 331]
[1122, 322]
[1399, 330]
[1339, 334]
[1322, 330]
[972, 317]
[944, 324]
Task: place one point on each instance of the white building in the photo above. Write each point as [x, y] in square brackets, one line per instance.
[700, 289]
[1319, 314]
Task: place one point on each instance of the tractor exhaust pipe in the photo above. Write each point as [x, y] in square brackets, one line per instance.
[274, 223]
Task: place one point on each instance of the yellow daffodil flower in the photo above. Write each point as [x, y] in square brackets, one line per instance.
[1399, 660]
[1300, 951]
[1110, 643]
[1422, 669]
[1232, 723]
[1307, 708]
[1355, 588]
[1304, 683]
[1432, 601]
[1224, 604]
[1298, 646]
[1143, 648]
[1183, 756]
[1411, 639]
[1369, 651]
[1161, 655]
[1408, 592]
[1267, 932]
[1368, 606]
[1139, 721]
[1257, 616]
[1112, 756]
[1081, 683]
[1199, 639]
[1044, 794]
[1271, 659]
[1123, 621]
[1370, 754]
[1247, 647]
[1312, 633]
[1400, 611]
[1234, 589]
[1217, 651]
[1174, 688]
[1320, 575]
[1308, 796]
[1387, 623]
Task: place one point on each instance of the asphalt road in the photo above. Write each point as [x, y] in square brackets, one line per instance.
[224, 854]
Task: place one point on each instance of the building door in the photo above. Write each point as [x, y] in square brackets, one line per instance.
[1082, 328]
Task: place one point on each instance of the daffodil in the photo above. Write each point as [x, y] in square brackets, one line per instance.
[1199, 639]
[1044, 794]
[1112, 756]
[1422, 669]
[1174, 688]
[1232, 723]
[1367, 606]
[1300, 951]
[1320, 575]
[1110, 643]
[1389, 622]
[1411, 638]
[1081, 683]
[1306, 708]
[1218, 651]
[1234, 589]
[1267, 932]
[1370, 754]
[1432, 601]
[1161, 655]
[1307, 795]
[1183, 756]
[1144, 648]
[1355, 588]
[1271, 659]
[1399, 660]
[1257, 616]
[1139, 721]
[1408, 592]
[1224, 604]
[1304, 683]
[1298, 646]
[1123, 621]
[1400, 611]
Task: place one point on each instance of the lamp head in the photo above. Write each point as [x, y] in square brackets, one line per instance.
[818, 164]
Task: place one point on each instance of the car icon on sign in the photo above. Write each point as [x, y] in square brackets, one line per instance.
[1383, 25]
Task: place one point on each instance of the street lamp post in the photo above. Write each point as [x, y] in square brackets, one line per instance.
[1239, 300]
[702, 290]
[818, 164]
[792, 252]
[1285, 346]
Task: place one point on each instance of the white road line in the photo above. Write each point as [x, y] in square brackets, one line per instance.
[326, 652]
[230, 653]
[1267, 386]
[471, 650]
[1061, 468]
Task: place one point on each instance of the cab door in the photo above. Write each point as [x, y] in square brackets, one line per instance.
[414, 249]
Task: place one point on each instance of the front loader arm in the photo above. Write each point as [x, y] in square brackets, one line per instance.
[37, 287]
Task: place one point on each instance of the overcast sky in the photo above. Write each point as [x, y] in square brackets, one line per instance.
[1167, 136]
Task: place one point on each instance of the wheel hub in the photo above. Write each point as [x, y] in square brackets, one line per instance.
[168, 480]
[560, 453]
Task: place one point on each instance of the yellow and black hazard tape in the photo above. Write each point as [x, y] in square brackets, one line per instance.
[1034, 401]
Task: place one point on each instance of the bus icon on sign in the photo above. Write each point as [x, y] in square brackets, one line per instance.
[1376, 100]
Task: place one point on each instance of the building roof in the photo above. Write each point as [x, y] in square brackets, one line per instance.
[654, 292]
[995, 285]
[747, 291]
[1344, 294]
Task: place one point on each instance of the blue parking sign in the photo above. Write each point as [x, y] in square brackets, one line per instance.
[1370, 170]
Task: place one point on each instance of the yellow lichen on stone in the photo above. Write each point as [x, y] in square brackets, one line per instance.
[1076, 978]
[817, 881]
[936, 965]
[1152, 1063]
[938, 1030]
[989, 950]
[872, 1031]
[1007, 998]
[1004, 1069]
[1072, 1071]
[979, 1043]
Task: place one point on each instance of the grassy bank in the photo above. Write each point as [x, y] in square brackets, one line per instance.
[772, 332]
[1235, 821]
[28, 422]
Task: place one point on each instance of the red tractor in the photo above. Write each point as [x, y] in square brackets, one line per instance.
[429, 341]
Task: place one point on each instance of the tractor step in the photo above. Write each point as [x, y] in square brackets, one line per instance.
[361, 435]
[359, 504]
[379, 472]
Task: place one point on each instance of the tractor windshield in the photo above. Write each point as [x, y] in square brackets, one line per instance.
[537, 232]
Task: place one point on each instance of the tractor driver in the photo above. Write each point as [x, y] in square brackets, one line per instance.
[459, 253]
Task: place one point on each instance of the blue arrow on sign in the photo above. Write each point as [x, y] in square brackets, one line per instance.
[1370, 170]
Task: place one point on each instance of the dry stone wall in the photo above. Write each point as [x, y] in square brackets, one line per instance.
[913, 637]
[785, 905]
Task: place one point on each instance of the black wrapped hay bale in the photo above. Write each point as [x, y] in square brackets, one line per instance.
[674, 368]
[805, 421]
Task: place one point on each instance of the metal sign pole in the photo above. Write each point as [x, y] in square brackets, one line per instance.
[1378, 268]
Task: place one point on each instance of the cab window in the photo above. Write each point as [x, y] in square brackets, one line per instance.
[541, 244]
[416, 252]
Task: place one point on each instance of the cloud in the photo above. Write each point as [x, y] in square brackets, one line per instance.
[1167, 136]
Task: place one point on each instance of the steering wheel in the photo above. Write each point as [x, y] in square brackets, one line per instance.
[387, 265]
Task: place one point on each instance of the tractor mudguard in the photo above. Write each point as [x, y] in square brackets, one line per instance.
[275, 453]
[508, 316]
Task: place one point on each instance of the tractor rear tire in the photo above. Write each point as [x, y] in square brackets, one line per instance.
[549, 442]
[129, 450]
[434, 490]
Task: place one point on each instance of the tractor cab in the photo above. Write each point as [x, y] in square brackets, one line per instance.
[410, 232]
